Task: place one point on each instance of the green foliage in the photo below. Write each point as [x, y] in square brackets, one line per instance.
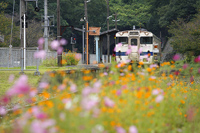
[186, 36]
[70, 58]
[50, 62]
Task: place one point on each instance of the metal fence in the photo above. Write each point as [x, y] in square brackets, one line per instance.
[13, 57]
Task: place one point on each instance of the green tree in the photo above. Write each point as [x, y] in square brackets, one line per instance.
[5, 28]
[186, 36]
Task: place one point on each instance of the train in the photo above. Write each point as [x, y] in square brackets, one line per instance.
[137, 45]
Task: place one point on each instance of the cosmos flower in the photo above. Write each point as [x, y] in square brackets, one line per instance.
[40, 41]
[120, 130]
[197, 59]
[73, 88]
[108, 102]
[55, 44]
[78, 56]
[63, 41]
[11, 78]
[128, 51]
[133, 129]
[59, 50]
[3, 110]
[185, 66]
[176, 57]
[159, 98]
[41, 54]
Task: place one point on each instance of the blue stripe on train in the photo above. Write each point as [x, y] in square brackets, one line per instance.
[124, 53]
[145, 53]
[121, 53]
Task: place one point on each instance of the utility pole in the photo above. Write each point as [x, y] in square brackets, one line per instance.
[22, 12]
[45, 26]
[58, 31]
[115, 20]
[108, 36]
[86, 33]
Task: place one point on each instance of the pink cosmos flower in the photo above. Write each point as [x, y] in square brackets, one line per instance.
[86, 91]
[16, 107]
[88, 103]
[41, 41]
[59, 50]
[63, 41]
[108, 102]
[120, 130]
[20, 87]
[105, 73]
[48, 123]
[73, 88]
[185, 66]
[121, 74]
[68, 103]
[5, 99]
[176, 57]
[38, 126]
[97, 84]
[2, 111]
[119, 45]
[41, 116]
[119, 92]
[155, 92]
[11, 78]
[133, 129]
[55, 44]
[78, 56]
[61, 87]
[197, 59]
[33, 93]
[115, 49]
[43, 85]
[153, 66]
[128, 51]
[40, 54]
[159, 98]
[140, 50]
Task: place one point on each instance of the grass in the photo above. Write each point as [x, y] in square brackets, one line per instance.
[136, 96]
[33, 80]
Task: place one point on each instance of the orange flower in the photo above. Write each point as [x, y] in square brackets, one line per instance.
[49, 104]
[52, 74]
[46, 95]
[182, 101]
[141, 63]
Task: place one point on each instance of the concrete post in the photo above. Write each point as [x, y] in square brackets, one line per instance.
[97, 49]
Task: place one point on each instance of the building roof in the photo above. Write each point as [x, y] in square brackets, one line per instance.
[108, 32]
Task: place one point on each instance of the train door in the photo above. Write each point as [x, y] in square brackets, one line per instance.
[134, 48]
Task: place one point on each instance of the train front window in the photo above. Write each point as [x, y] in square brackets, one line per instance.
[146, 40]
[123, 40]
[133, 42]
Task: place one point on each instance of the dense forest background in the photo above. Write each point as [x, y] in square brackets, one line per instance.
[162, 17]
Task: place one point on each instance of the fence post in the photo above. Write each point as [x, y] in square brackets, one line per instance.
[37, 65]
[22, 61]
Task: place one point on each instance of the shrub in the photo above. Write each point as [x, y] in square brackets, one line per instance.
[49, 62]
[70, 58]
